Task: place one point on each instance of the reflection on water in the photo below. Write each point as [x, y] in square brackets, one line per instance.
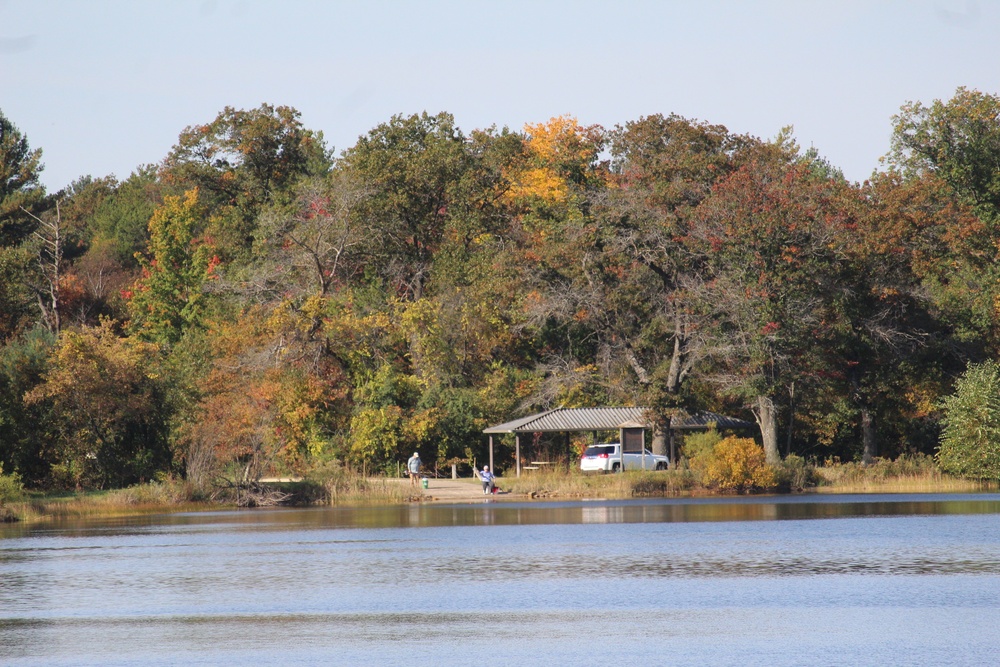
[781, 581]
[490, 512]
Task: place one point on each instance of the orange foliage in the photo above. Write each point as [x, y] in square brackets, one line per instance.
[739, 465]
[561, 150]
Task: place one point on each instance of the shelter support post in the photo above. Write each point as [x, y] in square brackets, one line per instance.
[491, 455]
[517, 452]
[672, 446]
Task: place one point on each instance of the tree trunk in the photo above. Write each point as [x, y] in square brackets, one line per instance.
[767, 420]
[791, 420]
[659, 443]
[868, 435]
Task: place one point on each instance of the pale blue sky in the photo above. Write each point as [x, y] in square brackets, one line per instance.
[103, 86]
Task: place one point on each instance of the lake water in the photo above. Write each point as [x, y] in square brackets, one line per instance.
[814, 580]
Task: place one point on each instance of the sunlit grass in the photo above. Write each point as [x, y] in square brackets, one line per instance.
[356, 490]
[631, 484]
[141, 499]
[929, 482]
[337, 486]
[905, 475]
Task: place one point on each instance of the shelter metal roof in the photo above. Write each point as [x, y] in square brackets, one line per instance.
[702, 420]
[606, 419]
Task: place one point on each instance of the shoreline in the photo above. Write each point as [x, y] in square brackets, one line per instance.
[391, 491]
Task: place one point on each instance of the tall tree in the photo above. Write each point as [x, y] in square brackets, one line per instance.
[959, 141]
[107, 425]
[556, 234]
[241, 161]
[663, 168]
[768, 235]
[894, 342]
[168, 297]
[411, 163]
[20, 191]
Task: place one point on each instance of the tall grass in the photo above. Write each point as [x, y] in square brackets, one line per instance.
[334, 484]
[631, 484]
[910, 474]
[907, 474]
[169, 495]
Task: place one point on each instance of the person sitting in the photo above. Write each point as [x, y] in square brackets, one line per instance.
[488, 480]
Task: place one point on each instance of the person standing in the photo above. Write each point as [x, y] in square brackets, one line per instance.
[488, 480]
[413, 467]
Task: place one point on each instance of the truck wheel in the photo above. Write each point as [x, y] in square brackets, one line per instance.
[661, 466]
[616, 467]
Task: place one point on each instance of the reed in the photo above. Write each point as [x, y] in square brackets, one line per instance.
[334, 484]
[906, 474]
[834, 481]
[170, 495]
[361, 491]
[631, 484]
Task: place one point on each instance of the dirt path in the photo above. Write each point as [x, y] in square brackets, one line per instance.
[451, 490]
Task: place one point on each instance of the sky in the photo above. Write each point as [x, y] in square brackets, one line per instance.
[106, 86]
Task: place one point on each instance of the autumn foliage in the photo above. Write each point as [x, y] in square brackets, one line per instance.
[738, 465]
[254, 306]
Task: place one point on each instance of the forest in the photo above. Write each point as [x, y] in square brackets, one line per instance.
[256, 305]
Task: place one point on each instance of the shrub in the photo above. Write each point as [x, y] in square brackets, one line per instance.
[794, 474]
[11, 488]
[738, 465]
[698, 452]
[167, 491]
[970, 441]
[699, 446]
[669, 483]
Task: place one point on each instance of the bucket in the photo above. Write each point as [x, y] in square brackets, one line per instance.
[423, 482]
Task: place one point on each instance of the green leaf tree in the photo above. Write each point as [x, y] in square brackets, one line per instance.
[411, 164]
[20, 191]
[242, 161]
[959, 141]
[970, 440]
[168, 297]
[24, 446]
[107, 424]
[770, 239]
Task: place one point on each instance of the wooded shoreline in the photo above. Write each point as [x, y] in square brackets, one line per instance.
[158, 498]
[254, 305]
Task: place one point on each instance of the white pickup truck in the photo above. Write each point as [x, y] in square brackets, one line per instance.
[607, 457]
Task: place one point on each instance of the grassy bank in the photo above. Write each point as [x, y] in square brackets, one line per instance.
[143, 499]
[341, 487]
[638, 484]
[904, 475]
[179, 496]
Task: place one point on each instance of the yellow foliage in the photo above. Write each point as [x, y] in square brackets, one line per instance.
[540, 183]
[376, 433]
[557, 149]
[561, 140]
[421, 425]
[738, 465]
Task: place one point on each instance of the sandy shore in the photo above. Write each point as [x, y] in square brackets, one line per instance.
[451, 490]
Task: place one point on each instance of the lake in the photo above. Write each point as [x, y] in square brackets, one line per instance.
[797, 580]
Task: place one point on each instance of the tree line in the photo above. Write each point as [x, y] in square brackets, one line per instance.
[254, 303]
